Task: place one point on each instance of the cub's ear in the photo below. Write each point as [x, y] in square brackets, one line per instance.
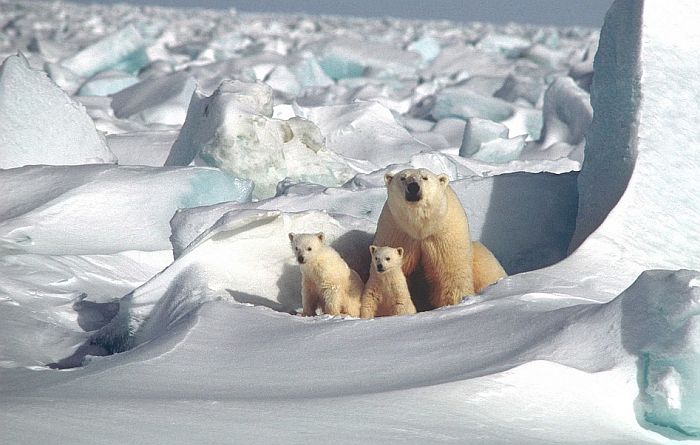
[291, 237]
[444, 179]
[372, 249]
[321, 236]
[399, 250]
[387, 178]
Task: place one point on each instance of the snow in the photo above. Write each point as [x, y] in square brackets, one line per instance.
[155, 300]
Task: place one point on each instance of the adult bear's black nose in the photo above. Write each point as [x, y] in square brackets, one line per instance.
[413, 188]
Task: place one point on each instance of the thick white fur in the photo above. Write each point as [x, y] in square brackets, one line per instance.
[327, 281]
[434, 233]
[386, 291]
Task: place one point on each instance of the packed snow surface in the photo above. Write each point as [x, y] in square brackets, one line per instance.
[156, 300]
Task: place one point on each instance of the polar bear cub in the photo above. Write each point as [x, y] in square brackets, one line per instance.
[386, 291]
[327, 283]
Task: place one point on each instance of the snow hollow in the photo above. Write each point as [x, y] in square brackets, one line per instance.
[153, 161]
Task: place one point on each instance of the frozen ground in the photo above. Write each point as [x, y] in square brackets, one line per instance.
[152, 162]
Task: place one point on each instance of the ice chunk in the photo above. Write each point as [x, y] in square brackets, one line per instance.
[350, 57]
[463, 103]
[157, 100]
[97, 209]
[477, 131]
[106, 83]
[452, 129]
[501, 150]
[64, 78]
[40, 124]
[310, 74]
[427, 47]
[567, 115]
[232, 129]
[461, 57]
[283, 80]
[582, 70]
[142, 147]
[520, 87]
[357, 130]
[508, 45]
[123, 50]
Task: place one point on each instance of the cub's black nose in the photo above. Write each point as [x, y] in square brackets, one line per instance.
[380, 268]
[413, 188]
[300, 259]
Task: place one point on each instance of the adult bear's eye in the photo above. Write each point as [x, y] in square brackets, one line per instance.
[309, 249]
[425, 178]
[403, 178]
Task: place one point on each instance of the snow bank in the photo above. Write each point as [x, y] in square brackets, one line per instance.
[40, 124]
[103, 209]
[632, 210]
[219, 264]
[661, 325]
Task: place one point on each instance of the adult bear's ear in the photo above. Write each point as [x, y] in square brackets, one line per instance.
[372, 249]
[321, 236]
[399, 250]
[387, 178]
[291, 237]
[444, 179]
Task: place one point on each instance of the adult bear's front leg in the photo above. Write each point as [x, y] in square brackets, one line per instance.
[447, 266]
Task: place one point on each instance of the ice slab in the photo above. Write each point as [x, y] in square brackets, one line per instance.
[40, 124]
[508, 45]
[501, 150]
[477, 131]
[427, 47]
[123, 50]
[106, 83]
[233, 129]
[158, 100]
[567, 115]
[516, 88]
[142, 147]
[97, 209]
[343, 58]
[356, 130]
[464, 103]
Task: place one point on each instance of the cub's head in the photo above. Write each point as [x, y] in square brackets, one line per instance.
[306, 245]
[415, 185]
[386, 258]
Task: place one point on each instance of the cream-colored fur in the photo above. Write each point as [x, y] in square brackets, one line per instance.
[327, 283]
[386, 291]
[431, 226]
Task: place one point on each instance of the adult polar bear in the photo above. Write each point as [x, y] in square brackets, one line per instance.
[423, 215]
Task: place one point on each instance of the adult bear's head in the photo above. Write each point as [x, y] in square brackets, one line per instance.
[417, 199]
[415, 184]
